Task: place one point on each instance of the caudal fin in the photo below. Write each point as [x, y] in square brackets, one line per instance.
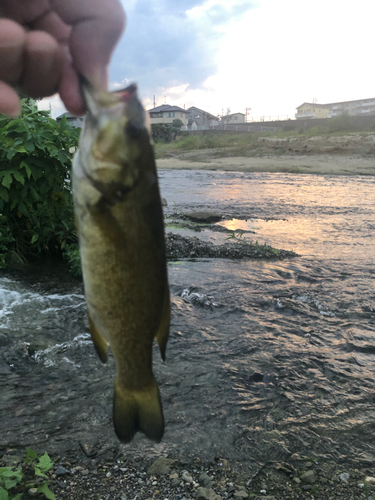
[138, 411]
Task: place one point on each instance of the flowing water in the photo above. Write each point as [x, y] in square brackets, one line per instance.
[266, 360]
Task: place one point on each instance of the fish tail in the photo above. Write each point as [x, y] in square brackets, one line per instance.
[138, 411]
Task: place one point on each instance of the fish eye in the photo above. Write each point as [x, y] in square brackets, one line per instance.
[132, 129]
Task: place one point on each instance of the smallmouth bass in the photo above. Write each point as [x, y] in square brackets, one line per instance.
[121, 236]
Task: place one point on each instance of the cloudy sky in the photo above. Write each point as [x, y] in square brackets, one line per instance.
[267, 55]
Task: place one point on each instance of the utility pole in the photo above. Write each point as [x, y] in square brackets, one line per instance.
[154, 102]
[247, 111]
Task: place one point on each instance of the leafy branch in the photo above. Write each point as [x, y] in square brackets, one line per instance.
[14, 483]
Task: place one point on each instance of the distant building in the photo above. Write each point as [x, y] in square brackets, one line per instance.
[359, 107]
[313, 110]
[233, 119]
[75, 121]
[166, 114]
[197, 118]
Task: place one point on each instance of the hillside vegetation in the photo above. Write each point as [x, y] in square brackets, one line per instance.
[254, 143]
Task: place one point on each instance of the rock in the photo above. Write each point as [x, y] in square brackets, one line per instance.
[185, 476]
[240, 494]
[265, 498]
[90, 450]
[344, 477]
[33, 492]
[175, 482]
[223, 464]
[203, 217]
[206, 494]
[297, 480]
[164, 202]
[264, 492]
[61, 471]
[85, 472]
[308, 477]
[162, 466]
[369, 480]
[205, 480]
[10, 460]
[173, 476]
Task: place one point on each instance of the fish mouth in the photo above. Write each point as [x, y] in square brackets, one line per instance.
[127, 93]
[95, 98]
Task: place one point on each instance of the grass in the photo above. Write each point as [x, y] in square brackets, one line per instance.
[246, 144]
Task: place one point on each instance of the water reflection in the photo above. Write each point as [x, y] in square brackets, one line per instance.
[325, 216]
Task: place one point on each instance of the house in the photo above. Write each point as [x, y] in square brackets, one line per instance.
[75, 121]
[359, 107]
[167, 113]
[233, 119]
[313, 110]
[200, 118]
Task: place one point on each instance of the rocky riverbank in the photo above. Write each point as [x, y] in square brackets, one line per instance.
[341, 155]
[170, 479]
[181, 247]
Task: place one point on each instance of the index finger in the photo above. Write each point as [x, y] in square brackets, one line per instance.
[96, 27]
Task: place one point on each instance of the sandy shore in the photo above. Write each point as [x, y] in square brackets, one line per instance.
[318, 164]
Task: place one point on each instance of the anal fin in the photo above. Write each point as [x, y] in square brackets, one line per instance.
[101, 345]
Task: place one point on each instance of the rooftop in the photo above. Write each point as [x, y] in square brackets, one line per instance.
[213, 117]
[165, 108]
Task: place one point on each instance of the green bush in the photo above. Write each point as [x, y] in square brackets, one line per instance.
[72, 257]
[161, 132]
[14, 483]
[35, 193]
[341, 123]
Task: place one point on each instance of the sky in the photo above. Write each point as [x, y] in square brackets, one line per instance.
[267, 55]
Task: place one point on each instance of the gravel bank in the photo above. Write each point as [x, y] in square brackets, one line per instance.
[169, 479]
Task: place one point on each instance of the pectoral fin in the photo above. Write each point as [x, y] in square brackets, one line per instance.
[163, 330]
[101, 345]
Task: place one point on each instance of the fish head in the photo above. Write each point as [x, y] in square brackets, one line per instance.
[115, 136]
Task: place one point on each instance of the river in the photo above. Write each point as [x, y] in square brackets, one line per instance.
[266, 360]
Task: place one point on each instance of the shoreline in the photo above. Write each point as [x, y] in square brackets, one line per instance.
[171, 478]
[300, 164]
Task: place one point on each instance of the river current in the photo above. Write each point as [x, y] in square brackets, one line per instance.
[266, 360]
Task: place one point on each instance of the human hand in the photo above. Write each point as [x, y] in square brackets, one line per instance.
[46, 44]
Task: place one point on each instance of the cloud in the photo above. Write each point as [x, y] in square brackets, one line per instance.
[169, 43]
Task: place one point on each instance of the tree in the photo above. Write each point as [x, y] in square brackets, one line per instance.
[177, 123]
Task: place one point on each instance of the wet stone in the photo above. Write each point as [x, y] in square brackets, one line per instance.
[308, 477]
[162, 466]
[206, 494]
[344, 477]
[240, 494]
[204, 479]
[61, 471]
[187, 477]
[203, 217]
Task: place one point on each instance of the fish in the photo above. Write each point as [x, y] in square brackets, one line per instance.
[120, 227]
